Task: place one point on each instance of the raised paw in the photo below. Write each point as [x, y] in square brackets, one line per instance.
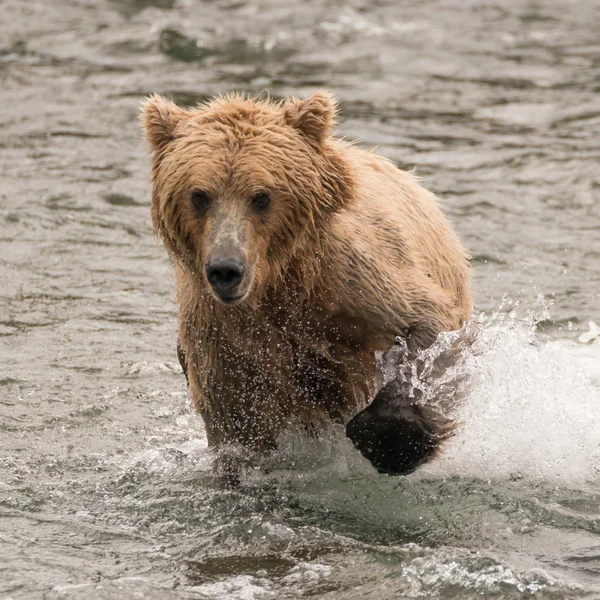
[393, 433]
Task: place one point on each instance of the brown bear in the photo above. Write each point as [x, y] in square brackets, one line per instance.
[297, 256]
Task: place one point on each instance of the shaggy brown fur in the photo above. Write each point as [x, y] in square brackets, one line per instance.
[350, 253]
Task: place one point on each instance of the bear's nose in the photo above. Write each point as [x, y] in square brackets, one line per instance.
[225, 274]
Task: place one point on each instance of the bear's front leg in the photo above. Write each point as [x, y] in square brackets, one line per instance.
[398, 432]
[394, 432]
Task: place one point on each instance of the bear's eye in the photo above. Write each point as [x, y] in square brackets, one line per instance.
[261, 201]
[200, 200]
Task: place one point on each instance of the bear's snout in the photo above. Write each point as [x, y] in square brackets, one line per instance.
[225, 276]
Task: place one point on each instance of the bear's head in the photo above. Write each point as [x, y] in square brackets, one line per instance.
[242, 187]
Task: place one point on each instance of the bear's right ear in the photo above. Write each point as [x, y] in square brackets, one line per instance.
[160, 117]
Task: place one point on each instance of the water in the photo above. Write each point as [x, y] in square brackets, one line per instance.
[106, 489]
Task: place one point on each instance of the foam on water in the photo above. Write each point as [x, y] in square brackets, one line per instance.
[533, 410]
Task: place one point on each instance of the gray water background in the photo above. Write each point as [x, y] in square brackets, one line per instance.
[106, 488]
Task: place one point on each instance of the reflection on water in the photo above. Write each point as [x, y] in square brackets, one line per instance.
[106, 488]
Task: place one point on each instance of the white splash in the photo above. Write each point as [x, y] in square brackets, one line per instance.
[533, 410]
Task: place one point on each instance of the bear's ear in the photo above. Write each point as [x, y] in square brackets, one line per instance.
[159, 118]
[314, 116]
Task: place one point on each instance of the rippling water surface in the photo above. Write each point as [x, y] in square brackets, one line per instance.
[106, 488]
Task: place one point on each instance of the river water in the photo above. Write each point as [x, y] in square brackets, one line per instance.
[106, 488]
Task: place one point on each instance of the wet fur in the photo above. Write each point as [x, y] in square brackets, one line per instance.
[354, 253]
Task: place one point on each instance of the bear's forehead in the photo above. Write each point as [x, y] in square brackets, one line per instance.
[227, 143]
[218, 142]
[236, 136]
[217, 155]
[232, 132]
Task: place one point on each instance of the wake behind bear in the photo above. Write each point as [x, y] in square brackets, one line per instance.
[297, 256]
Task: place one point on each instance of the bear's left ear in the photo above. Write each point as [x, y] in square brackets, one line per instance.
[159, 118]
[313, 116]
